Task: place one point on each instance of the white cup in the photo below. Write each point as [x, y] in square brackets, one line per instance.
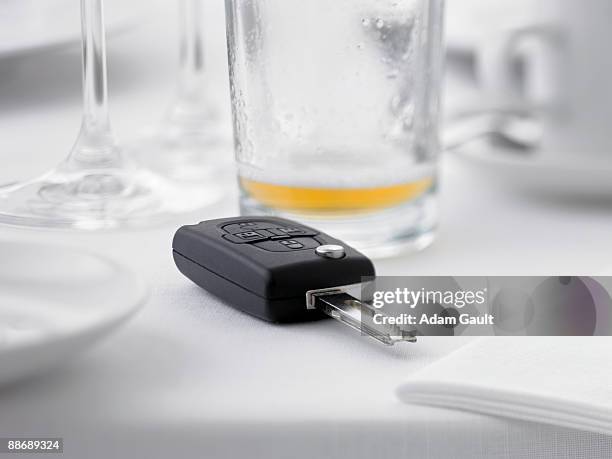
[566, 55]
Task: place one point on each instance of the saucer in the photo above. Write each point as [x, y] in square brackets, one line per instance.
[56, 302]
[539, 171]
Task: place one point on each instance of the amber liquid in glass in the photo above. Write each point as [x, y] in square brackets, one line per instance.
[302, 199]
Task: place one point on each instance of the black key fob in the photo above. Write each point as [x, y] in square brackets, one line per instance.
[264, 266]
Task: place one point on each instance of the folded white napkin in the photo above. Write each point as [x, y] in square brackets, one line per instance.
[560, 381]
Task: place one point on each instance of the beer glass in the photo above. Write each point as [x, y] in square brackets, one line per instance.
[336, 107]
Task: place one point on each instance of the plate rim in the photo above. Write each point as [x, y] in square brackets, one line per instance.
[142, 293]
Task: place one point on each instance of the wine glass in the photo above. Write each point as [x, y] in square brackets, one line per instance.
[190, 143]
[96, 186]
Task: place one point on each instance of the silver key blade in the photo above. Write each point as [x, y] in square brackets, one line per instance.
[348, 310]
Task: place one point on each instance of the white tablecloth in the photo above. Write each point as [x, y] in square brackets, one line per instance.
[190, 377]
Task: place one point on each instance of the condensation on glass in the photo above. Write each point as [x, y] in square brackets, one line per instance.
[335, 107]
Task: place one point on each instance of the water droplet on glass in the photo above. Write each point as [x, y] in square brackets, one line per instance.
[395, 102]
[408, 117]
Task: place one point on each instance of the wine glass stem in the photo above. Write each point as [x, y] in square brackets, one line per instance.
[192, 73]
[95, 144]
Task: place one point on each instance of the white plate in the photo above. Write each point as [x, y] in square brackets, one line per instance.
[28, 26]
[540, 172]
[55, 302]
[470, 22]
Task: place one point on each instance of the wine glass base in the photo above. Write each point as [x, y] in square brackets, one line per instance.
[98, 199]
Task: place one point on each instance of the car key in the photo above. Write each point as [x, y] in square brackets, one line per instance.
[279, 271]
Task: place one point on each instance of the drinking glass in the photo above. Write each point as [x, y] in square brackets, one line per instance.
[96, 187]
[336, 108]
[191, 142]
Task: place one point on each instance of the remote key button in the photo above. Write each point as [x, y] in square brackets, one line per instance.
[278, 238]
[331, 251]
[291, 245]
[244, 227]
[247, 237]
[292, 232]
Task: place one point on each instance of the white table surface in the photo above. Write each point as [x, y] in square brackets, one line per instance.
[190, 377]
